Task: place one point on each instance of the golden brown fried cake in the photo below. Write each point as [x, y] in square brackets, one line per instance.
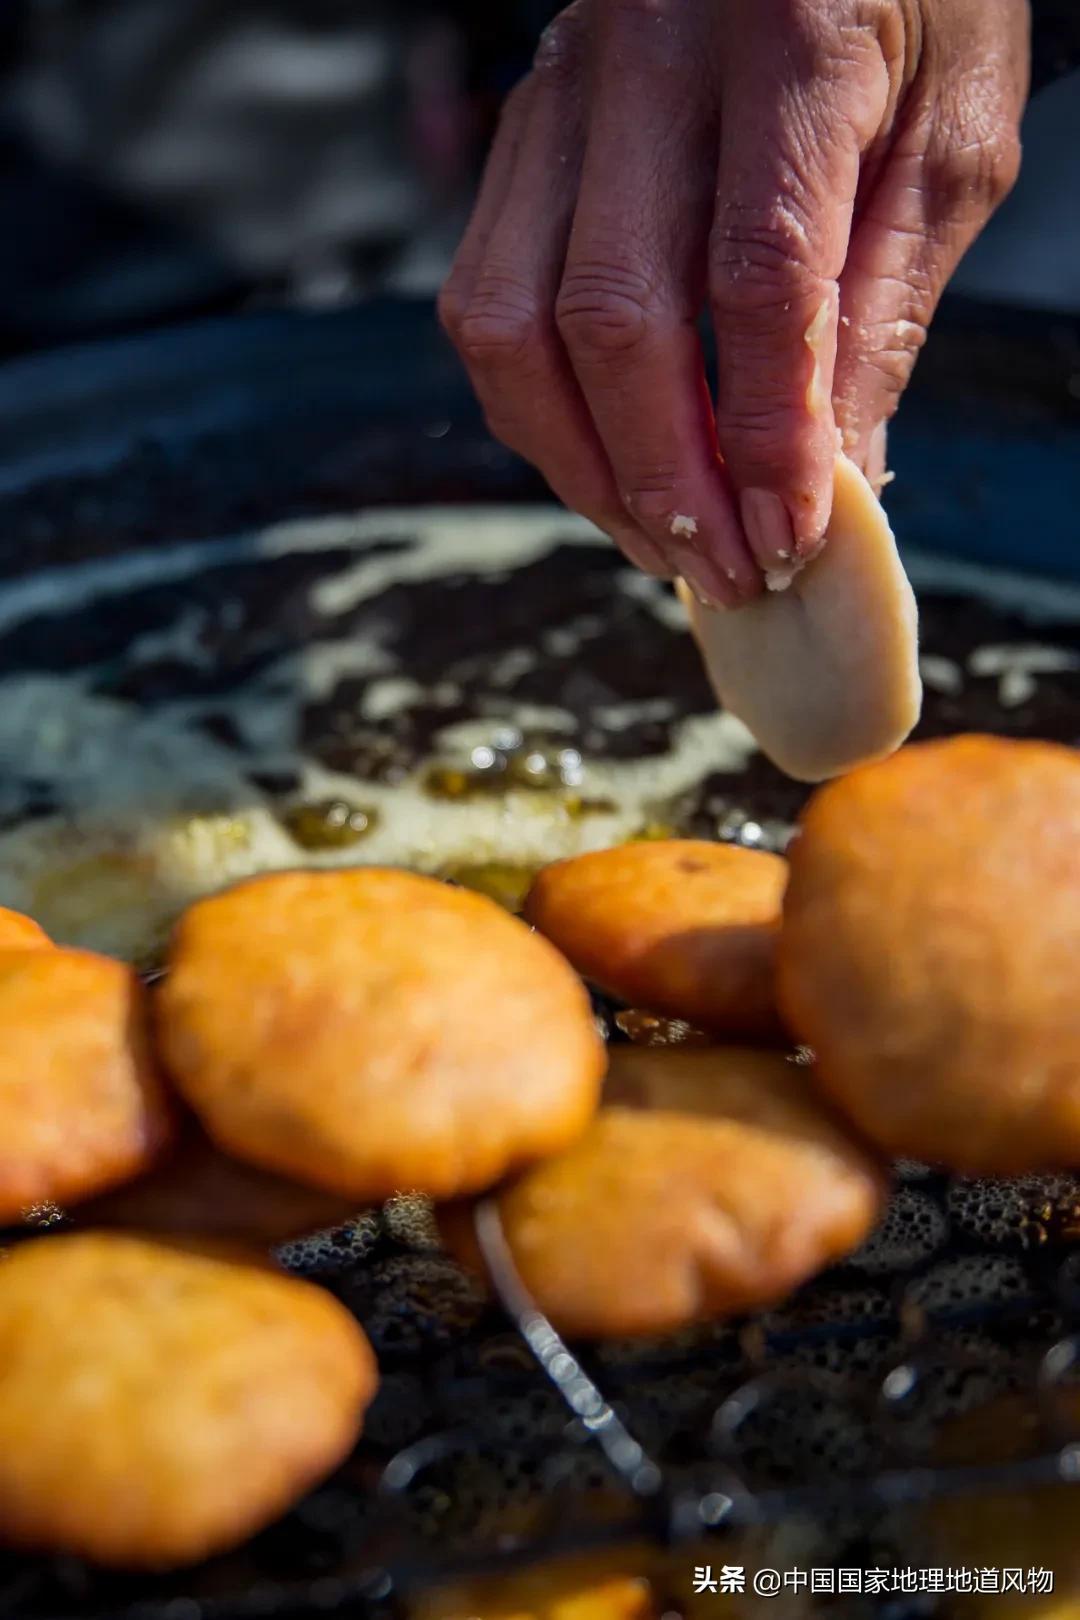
[629, 1581]
[930, 952]
[1028, 1527]
[712, 1182]
[158, 1404]
[682, 927]
[19, 932]
[198, 1191]
[82, 1106]
[626, 1583]
[370, 1031]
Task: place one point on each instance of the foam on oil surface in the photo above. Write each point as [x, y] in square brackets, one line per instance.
[153, 804]
[135, 777]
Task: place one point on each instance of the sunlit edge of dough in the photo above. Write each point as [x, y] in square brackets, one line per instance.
[906, 705]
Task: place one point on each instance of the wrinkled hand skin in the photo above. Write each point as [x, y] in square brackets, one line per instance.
[808, 171]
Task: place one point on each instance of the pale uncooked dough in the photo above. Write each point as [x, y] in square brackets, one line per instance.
[824, 672]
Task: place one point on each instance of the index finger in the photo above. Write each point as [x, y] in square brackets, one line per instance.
[800, 107]
[634, 283]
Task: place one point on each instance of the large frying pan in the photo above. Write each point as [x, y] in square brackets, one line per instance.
[145, 580]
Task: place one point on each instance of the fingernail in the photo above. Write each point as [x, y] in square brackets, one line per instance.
[705, 600]
[769, 532]
[712, 588]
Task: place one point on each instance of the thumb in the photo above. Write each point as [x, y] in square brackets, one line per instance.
[791, 144]
[930, 202]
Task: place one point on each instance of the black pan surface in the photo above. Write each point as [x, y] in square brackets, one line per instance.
[153, 610]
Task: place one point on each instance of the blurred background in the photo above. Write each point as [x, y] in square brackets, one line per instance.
[164, 159]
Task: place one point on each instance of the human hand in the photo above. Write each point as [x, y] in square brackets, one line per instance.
[811, 171]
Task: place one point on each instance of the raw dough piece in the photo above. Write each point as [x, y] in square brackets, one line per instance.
[824, 671]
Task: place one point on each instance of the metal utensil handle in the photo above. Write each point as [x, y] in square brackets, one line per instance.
[625, 1454]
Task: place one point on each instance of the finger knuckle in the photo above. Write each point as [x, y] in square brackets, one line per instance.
[975, 161]
[650, 498]
[604, 310]
[751, 288]
[561, 47]
[809, 18]
[757, 261]
[764, 432]
[631, 13]
[812, 32]
[1002, 165]
[653, 511]
[891, 352]
[489, 336]
[888, 377]
[976, 170]
[880, 360]
[656, 40]
[500, 325]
